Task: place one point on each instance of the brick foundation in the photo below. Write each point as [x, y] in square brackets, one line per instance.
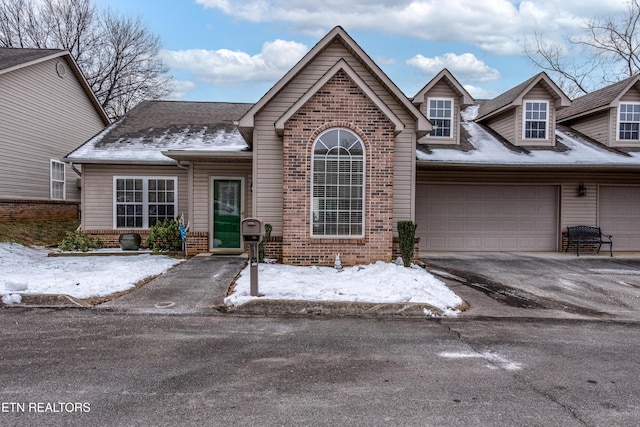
[34, 210]
[338, 104]
[196, 242]
[416, 249]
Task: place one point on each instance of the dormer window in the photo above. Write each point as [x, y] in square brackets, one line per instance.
[536, 119]
[440, 114]
[629, 121]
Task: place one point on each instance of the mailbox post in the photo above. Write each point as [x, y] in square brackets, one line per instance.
[252, 233]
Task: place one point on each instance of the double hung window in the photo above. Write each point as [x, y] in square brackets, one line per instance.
[141, 202]
[536, 119]
[629, 121]
[441, 116]
[57, 188]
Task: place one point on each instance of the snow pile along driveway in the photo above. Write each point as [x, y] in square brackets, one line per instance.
[375, 283]
[26, 270]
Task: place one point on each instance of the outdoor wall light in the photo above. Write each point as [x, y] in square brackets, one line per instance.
[582, 190]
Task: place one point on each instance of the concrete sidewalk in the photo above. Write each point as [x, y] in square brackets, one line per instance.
[197, 286]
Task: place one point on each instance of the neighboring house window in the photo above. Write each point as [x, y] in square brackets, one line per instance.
[57, 180]
[337, 192]
[441, 116]
[536, 119]
[142, 202]
[629, 121]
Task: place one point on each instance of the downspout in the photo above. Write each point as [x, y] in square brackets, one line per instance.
[188, 167]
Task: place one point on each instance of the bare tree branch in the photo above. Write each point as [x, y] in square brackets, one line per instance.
[118, 55]
[608, 51]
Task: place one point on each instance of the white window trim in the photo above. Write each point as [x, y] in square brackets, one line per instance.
[52, 180]
[618, 122]
[145, 199]
[524, 120]
[364, 191]
[452, 118]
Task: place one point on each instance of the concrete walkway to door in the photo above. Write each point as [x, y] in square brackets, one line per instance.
[197, 286]
[594, 286]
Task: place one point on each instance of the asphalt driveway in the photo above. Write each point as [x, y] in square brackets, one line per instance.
[589, 285]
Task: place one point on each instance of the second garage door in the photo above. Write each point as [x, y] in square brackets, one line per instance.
[487, 217]
[619, 216]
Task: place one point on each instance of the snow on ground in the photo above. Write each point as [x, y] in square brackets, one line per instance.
[26, 270]
[375, 283]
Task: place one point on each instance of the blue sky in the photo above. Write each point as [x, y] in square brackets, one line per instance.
[235, 50]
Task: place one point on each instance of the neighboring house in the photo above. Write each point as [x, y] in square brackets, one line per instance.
[334, 155]
[47, 109]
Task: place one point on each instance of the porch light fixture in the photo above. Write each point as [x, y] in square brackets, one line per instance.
[582, 190]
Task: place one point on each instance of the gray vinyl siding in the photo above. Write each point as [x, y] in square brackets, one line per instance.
[597, 127]
[631, 96]
[202, 174]
[97, 198]
[44, 117]
[505, 125]
[578, 210]
[537, 93]
[268, 156]
[442, 90]
[573, 210]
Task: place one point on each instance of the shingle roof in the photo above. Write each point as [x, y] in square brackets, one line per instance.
[156, 126]
[504, 99]
[10, 57]
[596, 100]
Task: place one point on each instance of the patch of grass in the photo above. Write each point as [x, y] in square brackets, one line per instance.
[37, 233]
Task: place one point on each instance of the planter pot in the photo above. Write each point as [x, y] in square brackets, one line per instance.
[130, 242]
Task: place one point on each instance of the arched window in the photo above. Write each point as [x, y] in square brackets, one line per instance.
[337, 190]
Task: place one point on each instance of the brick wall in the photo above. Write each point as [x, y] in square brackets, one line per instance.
[197, 242]
[29, 210]
[338, 104]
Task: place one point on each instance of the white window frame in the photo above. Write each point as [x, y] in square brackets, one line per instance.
[450, 118]
[53, 179]
[620, 122]
[524, 119]
[145, 199]
[314, 202]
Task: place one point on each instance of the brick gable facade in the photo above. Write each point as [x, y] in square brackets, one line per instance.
[340, 103]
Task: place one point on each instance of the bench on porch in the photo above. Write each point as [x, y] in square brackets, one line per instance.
[584, 234]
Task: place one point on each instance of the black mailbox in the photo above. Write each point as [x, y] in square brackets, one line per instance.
[252, 230]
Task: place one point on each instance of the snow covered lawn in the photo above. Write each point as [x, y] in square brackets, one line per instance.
[26, 270]
[375, 283]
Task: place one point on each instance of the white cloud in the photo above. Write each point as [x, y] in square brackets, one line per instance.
[480, 93]
[227, 67]
[497, 26]
[181, 89]
[464, 67]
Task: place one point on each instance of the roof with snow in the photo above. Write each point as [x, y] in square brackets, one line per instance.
[482, 147]
[156, 127]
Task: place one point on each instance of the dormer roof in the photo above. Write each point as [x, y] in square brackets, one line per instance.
[246, 123]
[445, 75]
[514, 96]
[602, 99]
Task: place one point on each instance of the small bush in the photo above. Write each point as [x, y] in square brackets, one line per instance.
[261, 247]
[77, 241]
[407, 237]
[165, 236]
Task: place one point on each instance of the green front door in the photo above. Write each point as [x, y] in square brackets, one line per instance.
[227, 213]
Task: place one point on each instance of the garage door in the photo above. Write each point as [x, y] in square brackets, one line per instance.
[487, 217]
[619, 215]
